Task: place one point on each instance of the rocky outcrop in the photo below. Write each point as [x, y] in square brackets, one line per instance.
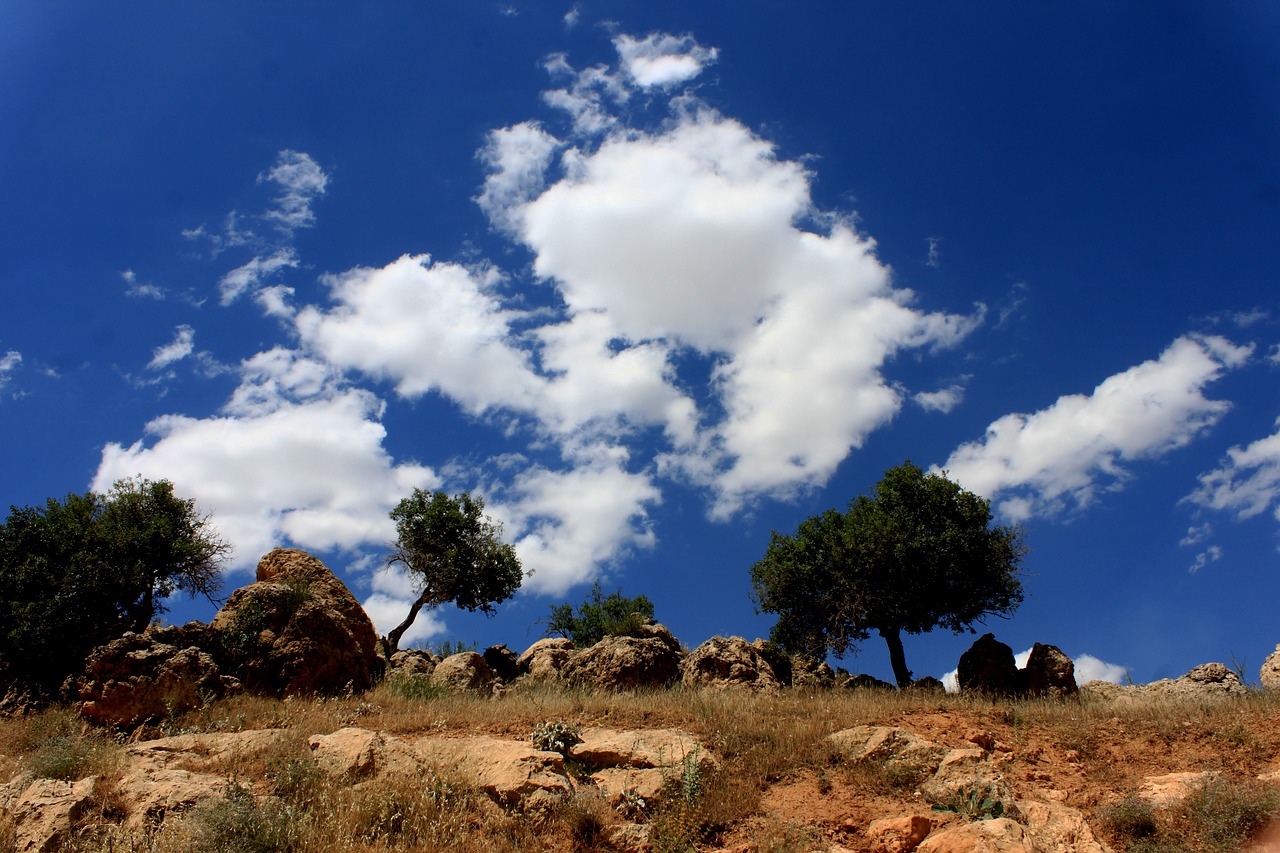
[298, 630]
[353, 755]
[898, 835]
[988, 668]
[142, 677]
[463, 671]
[412, 663]
[1208, 681]
[1269, 675]
[1001, 835]
[725, 662]
[1049, 673]
[809, 672]
[512, 774]
[546, 660]
[626, 663]
[502, 662]
[44, 814]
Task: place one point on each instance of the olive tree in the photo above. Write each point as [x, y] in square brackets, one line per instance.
[918, 553]
[79, 572]
[453, 552]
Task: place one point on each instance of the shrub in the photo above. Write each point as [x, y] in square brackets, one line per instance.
[600, 616]
[559, 736]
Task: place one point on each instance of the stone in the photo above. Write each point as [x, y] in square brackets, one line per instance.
[298, 631]
[354, 754]
[862, 681]
[988, 668]
[148, 676]
[645, 748]
[1172, 788]
[960, 773]
[1001, 835]
[1269, 675]
[778, 660]
[1049, 673]
[1059, 828]
[546, 660]
[928, 686]
[807, 672]
[898, 835]
[628, 663]
[728, 662]
[1207, 681]
[463, 671]
[46, 812]
[502, 662]
[412, 663]
[511, 773]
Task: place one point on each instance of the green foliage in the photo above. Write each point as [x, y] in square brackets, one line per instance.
[974, 805]
[454, 553]
[237, 823]
[1220, 816]
[680, 820]
[416, 688]
[58, 747]
[917, 554]
[449, 648]
[80, 572]
[600, 616]
[556, 736]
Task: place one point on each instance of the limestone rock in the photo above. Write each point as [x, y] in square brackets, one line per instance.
[645, 748]
[354, 754]
[1048, 673]
[724, 662]
[412, 663]
[298, 630]
[885, 744]
[988, 668]
[1058, 828]
[1001, 835]
[898, 835]
[513, 774]
[807, 672]
[503, 663]
[960, 773]
[141, 677]
[463, 671]
[1172, 788]
[546, 659]
[1207, 681]
[1270, 672]
[46, 812]
[626, 663]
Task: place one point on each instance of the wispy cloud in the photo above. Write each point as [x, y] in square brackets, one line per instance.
[1246, 483]
[138, 289]
[182, 345]
[8, 365]
[300, 181]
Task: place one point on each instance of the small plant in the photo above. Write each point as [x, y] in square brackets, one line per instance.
[237, 823]
[416, 688]
[680, 820]
[974, 805]
[449, 648]
[62, 751]
[1130, 819]
[558, 736]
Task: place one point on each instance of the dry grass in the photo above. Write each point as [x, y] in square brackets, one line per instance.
[762, 740]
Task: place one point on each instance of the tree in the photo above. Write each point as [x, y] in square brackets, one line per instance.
[80, 572]
[917, 554]
[599, 616]
[453, 553]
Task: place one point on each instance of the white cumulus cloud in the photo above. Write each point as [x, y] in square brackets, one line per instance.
[1058, 458]
[1247, 482]
[662, 60]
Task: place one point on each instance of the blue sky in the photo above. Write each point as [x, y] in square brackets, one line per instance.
[658, 278]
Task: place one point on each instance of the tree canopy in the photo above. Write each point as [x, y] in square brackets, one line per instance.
[918, 553]
[453, 552]
[80, 572]
[599, 616]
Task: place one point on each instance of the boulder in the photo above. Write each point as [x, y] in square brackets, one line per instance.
[1049, 673]
[1059, 828]
[546, 659]
[142, 677]
[1001, 835]
[898, 835]
[885, 745]
[354, 755]
[808, 672]
[503, 662]
[626, 663]
[1269, 675]
[1206, 681]
[778, 660]
[47, 810]
[961, 773]
[512, 774]
[861, 681]
[463, 671]
[412, 663]
[725, 662]
[988, 668]
[298, 630]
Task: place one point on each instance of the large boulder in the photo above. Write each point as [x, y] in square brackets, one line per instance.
[724, 662]
[503, 662]
[1270, 673]
[142, 677]
[1048, 673]
[298, 630]
[462, 672]
[1206, 681]
[625, 663]
[546, 660]
[988, 668]
[810, 672]
[411, 663]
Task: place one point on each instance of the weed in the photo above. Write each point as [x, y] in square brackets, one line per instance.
[416, 688]
[558, 736]
[974, 805]
[1130, 819]
[59, 749]
[237, 823]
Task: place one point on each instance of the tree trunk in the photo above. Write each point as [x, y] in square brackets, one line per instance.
[897, 658]
[393, 638]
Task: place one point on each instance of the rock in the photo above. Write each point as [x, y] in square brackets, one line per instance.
[463, 671]
[862, 681]
[412, 663]
[646, 748]
[513, 774]
[927, 685]
[807, 672]
[1269, 675]
[45, 813]
[725, 662]
[1059, 829]
[1172, 788]
[626, 663]
[988, 668]
[898, 835]
[354, 754]
[546, 660]
[298, 630]
[960, 773]
[1001, 835]
[778, 660]
[885, 744]
[1207, 681]
[1049, 673]
[142, 677]
[503, 662]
